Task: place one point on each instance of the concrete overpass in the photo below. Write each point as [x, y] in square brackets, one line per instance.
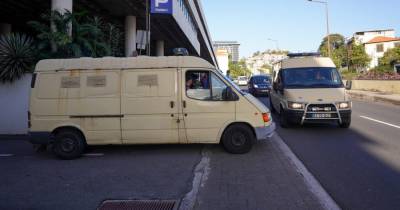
[174, 23]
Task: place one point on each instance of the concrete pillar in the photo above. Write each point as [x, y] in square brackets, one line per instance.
[160, 48]
[5, 28]
[62, 6]
[130, 36]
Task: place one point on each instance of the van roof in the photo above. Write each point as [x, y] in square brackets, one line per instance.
[140, 62]
[304, 62]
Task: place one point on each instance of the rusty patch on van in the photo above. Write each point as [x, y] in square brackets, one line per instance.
[70, 82]
[148, 80]
[96, 81]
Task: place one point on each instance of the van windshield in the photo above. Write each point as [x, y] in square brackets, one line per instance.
[261, 80]
[233, 84]
[314, 77]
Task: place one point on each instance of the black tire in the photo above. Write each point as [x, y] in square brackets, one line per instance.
[345, 123]
[69, 144]
[271, 107]
[238, 139]
[283, 120]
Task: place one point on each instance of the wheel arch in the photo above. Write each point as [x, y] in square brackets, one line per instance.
[69, 127]
[236, 123]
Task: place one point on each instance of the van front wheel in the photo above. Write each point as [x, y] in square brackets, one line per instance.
[68, 144]
[238, 139]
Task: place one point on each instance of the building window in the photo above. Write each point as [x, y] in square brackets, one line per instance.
[379, 48]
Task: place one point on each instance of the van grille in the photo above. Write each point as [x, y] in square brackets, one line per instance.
[321, 108]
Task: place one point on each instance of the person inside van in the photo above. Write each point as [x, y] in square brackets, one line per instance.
[205, 82]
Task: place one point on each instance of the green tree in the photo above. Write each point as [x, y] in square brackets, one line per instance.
[55, 39]
[358, 58]
[266, 69]
[338, 49]
[391, 57]
[238, 68]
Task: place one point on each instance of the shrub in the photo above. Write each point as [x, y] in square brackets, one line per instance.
[17, 56]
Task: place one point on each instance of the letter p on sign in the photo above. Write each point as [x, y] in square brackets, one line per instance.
[158, 2]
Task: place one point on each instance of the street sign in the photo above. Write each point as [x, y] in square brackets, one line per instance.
[161, 7]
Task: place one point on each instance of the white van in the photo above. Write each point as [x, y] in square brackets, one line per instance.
[308, 88]
[142, 100]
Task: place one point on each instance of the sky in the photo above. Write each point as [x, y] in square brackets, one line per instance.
[297, 25]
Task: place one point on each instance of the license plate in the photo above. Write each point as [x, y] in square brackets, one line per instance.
[321, 115]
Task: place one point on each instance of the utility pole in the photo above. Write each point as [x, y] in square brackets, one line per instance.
[327, 23]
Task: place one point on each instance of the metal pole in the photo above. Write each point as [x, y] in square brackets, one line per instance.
[327, 29]
[148, 19]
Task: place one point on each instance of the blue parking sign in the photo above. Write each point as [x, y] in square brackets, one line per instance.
[161, 6]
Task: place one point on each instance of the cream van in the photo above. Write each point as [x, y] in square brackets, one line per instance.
[142, 100]
[308, 88]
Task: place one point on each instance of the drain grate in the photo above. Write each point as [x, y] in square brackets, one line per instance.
[137, 205]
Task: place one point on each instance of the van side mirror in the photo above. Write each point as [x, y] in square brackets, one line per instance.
[349, 84]
[229, 95]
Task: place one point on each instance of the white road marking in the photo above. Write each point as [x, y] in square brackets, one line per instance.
[378, 121]
[315, 187]
[94, 154]
[6, 155]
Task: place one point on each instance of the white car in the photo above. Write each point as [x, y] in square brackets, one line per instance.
[242, 80]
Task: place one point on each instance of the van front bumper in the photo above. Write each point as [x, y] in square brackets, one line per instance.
[43, 138]
[264, 133]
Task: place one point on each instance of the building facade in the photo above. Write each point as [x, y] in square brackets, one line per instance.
[257, 63]
[223, 60]
[172, 23]
[232, 47]
[376, 43]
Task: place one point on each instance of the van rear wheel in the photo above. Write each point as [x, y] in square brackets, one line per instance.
[238, 139]
[68, 144]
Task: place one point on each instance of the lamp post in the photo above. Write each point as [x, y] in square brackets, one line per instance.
[327, 23]
[276, 43]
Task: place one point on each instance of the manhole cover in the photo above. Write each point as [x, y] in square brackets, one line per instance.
[137, 205]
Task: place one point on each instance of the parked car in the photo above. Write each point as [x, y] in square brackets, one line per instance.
[242, 80]
[141, 100]
[259, 85]
[308, 88]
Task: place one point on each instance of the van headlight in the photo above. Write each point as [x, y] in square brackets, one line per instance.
[344, 105]
[295, 105]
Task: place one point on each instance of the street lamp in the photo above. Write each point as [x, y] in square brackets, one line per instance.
[327, 23]
[276, 43]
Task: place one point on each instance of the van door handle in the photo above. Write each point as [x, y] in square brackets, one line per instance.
[184, 104]
[172, 104]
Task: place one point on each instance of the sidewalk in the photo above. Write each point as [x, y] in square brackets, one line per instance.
[270, 177]
[375, 96]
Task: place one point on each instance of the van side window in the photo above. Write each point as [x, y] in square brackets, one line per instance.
[204, 85]
[218, 87]
[198, 85]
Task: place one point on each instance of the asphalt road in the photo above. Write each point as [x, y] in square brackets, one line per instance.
[360, 166]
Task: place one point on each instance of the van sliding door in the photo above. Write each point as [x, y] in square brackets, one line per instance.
[149, 106]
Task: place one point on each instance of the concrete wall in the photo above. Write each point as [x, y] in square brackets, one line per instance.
[14, 103]
[377, 85]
